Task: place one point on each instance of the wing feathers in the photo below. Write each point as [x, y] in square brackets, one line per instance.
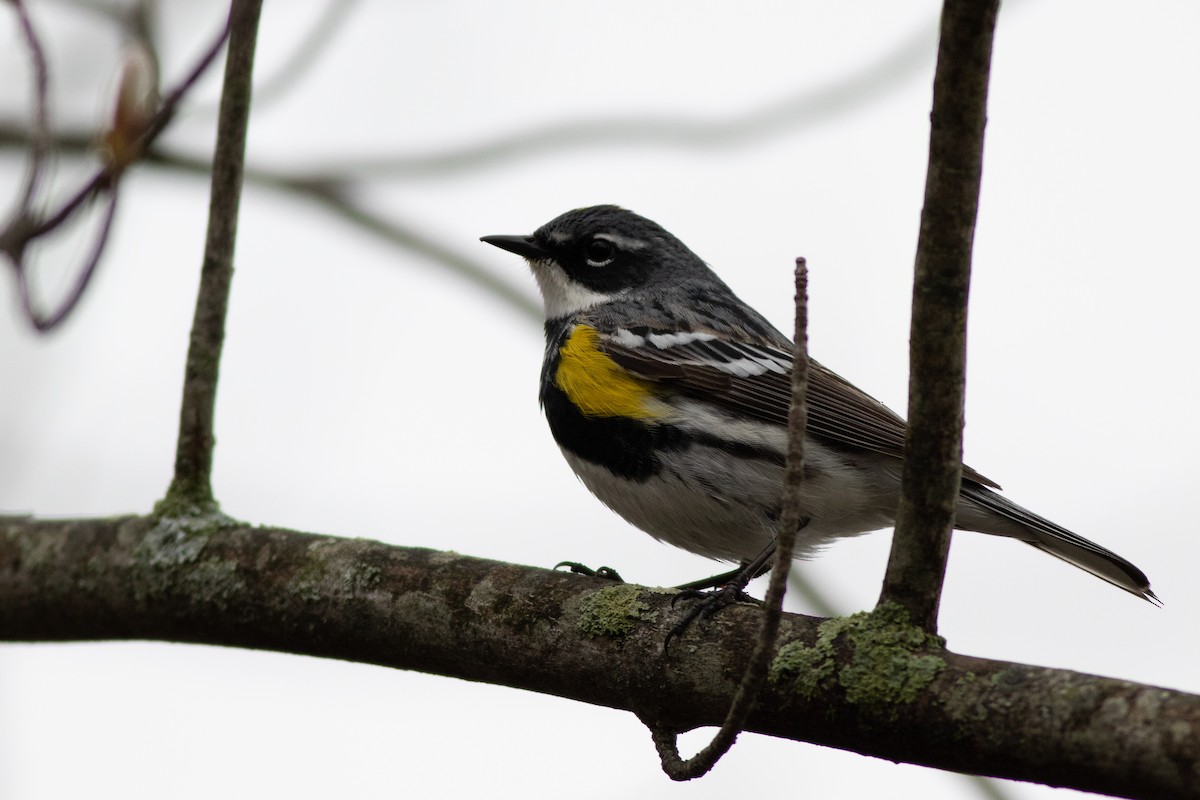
[754, 380]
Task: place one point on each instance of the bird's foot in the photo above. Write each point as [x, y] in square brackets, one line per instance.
[708, 602]
[717, 592]
[607, 573]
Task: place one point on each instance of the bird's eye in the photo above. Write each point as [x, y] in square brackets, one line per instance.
[599, 252]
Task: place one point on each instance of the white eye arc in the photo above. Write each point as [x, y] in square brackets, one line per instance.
[599, 252]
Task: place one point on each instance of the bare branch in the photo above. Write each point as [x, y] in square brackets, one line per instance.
[833, 682]
[192, 486]
[791, 519]
[937, 347]
[26, 226]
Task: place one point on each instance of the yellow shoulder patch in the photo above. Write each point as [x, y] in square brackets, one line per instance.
[596, 384]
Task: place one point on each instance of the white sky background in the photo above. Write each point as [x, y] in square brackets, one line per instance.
[367, 391]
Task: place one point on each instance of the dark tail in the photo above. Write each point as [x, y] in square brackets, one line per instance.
[985, 511]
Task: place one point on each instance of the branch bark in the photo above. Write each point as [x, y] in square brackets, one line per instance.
[191, 487]
[938, 343]
[868, 684]
[834, 682]
[791, 518]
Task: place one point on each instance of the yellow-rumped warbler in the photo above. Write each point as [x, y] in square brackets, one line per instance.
[669, 398]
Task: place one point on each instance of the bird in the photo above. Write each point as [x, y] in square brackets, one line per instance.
[668, 396]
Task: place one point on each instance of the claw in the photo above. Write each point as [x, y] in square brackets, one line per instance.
[710, 602]
[607, 573]
[718, 592]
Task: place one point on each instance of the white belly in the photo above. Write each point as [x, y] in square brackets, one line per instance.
[721, 506]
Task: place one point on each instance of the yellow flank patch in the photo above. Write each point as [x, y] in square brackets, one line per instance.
[593, 381]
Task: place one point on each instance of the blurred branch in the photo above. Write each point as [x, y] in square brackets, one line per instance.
[191, 487]
[785, 116]
[833, 683]
[112, 10]
[938, 341]
[126, 141]
[341, 202]
[781, 117]
[39, 138]
[140, 20]
[333, 186]
[135, 18]
[337, 197]
[340, 199]
[306, 54]
[801, 586]
[45, 322]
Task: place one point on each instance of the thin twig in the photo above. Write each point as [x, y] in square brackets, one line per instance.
[192, 485]
[937, 347]
[154, 127]
[25, 226]
[39, 140]
[790, 520]
[45, 322]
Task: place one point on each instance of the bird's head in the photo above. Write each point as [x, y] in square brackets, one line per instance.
[592, 255]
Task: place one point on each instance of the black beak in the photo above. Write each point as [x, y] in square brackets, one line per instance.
[521, 245]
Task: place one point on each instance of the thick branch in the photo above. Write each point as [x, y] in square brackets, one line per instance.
[582, 638]
[938, 343]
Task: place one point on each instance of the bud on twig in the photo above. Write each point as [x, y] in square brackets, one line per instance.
[137, 102]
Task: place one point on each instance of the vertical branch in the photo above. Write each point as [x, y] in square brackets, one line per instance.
[791, 518]
[937, 346]
[192, 483]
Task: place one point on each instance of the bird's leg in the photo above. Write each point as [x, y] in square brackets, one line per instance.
[726, 589]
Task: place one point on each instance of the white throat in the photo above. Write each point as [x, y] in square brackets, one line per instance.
[561, 296]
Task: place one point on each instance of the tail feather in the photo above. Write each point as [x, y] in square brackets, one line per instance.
[1023, 524]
